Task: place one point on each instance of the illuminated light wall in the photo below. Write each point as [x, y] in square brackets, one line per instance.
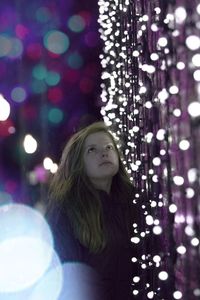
[49, 87]
[151, 95]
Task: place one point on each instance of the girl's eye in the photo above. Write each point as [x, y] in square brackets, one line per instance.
[92, 149]
[110, 147]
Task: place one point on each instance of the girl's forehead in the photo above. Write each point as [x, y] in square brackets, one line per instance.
[97, 138]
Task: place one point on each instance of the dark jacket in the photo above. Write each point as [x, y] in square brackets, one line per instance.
[113, 267]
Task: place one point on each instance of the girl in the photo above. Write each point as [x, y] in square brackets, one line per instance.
[89, 211]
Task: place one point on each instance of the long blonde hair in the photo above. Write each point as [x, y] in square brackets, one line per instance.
[71, 187]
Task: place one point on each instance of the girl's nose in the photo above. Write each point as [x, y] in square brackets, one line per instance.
[104, 152]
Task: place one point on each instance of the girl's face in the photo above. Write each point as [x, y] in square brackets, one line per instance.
[101, 161]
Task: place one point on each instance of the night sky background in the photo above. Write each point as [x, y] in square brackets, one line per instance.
[50, 74]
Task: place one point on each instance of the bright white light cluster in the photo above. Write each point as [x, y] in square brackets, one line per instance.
[127, 71]
[5, 108]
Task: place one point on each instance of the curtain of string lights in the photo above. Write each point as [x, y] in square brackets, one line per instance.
[151, 99]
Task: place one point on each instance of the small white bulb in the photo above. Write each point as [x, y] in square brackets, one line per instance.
[163, 275]
[177, 295]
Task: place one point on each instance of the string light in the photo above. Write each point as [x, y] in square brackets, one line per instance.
[153, 81]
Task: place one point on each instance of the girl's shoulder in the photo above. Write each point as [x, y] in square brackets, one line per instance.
[66, 244]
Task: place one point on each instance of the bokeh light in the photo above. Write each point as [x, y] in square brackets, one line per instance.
[55, 94]
[38, 87]
[29, 235]
[43, 14]
[18, 94]
[5, 108]
[51, 284]
[39, 72]
[75, 60]
[16, 48]
[6, 45]
[56, 41]
[34, 51]
[52, 78]
[76, 23]
[55, 115]
[30, 144]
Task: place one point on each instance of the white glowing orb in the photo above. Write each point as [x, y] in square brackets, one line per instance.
[189, 219]
[136, 111]
[22, 267]
[145, 18]
[47, 163]
[154, 56]
[173, 90]
[150, 295]
[135, 240]
[148, 104]
[180, 65]
[193, 42]
[156, 161]
[184, 145]
[195, 242]
[50, 285]
[172, 208]
[162, 152]
[177, 295]
[196, 75]
[25, 247]
[143, 266]
[149, 220]
[180, 14]
[142, 90]
[5, 108]
[135, 292]
[154, 27]
[177, 112]
[157, 10]
[161, 134]
[155, 178]
[156, 258]
[151, 171]
[151, 69]
[198, 9]
[138, 163]
[30, 144]
[178, 180]
[153, 203]
[136, 279]
[192, 175]
[194, 109]
[190, 193]
[54, 168]
[181, 249]
[189, 230]
[163, 95]
[162, 42]
[134, 259]
[196, 60]
[163, 275]
[197, 291]
[157, 230]
[179, 219]
[156, 222]
[136, 53]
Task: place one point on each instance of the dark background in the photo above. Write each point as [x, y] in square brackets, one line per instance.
[76, 96]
